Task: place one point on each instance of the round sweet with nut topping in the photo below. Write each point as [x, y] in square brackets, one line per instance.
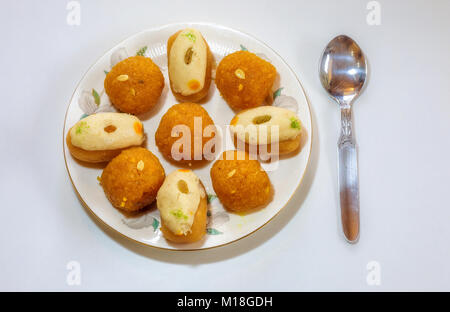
[134, 85]
[186, 134]
[132, 179]
[244, 79]
[240, 183]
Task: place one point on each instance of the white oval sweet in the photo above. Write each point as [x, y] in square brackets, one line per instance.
[178, 200]
[107, 131]
[188, 58]
[266, 125]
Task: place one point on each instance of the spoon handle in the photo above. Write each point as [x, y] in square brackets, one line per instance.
[348, 178]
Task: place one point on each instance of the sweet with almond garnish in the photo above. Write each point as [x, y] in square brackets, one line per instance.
[244, 79]
[183, 132]
[267, 129]
[134, 85]
[132, 179]
[189, 61]
[182, 204]
[101, 137]
[240, 183]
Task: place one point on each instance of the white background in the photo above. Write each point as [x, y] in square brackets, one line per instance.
[402, 125]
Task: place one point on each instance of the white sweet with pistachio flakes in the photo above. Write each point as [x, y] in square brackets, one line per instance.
[266, 125]
[178, 200]
[107, 131]
[188, 58]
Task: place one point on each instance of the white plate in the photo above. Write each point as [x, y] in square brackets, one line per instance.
[223, 227]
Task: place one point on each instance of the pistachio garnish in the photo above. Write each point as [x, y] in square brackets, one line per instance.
[295, 123]
[179, 214]
[81, 126]
[190, 36]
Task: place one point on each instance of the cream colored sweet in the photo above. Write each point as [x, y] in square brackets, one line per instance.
[188, 58]
[189, 64]
[178, 200]
[268, 125]
[107, 131]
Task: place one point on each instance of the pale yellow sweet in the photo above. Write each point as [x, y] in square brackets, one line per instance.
[178, 200]
[276, 127]
[101, 137]
[189, 61]
[188, 58]
[105, 131]
[266, 124]
[181, 201]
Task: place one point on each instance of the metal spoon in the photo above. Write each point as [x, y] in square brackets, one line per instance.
[342, 72]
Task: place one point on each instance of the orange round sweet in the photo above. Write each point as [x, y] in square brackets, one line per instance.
[134, 85]
[240, 183]
[244, 79]
[170, 131]
[132, 179]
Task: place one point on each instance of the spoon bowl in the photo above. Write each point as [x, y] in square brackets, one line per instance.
[343, 69]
